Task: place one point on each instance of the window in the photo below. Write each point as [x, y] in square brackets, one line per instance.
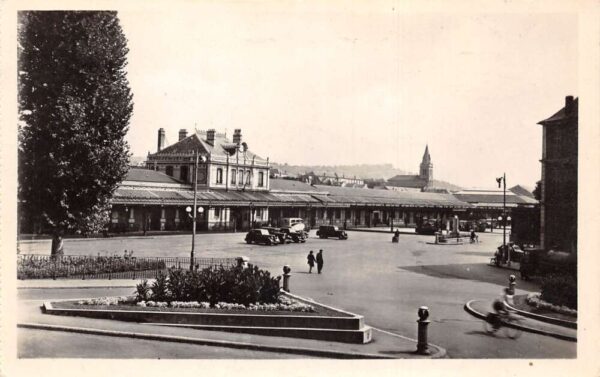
[261, 179]
[240, 177]
[169, 171]
[233, 176]
[219, 175]
[218, 210]
[259, 212]
[183, 173]
[248, 181]
[338, 213]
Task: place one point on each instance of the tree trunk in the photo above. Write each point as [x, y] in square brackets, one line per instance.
[57, 245]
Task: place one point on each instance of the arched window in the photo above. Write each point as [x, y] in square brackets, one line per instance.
[219, 175]
[241, 177]
[169, 171]
[233, 176]
[261, 179]
[248, 180]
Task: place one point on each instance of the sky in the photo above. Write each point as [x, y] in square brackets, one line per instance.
[362, 85]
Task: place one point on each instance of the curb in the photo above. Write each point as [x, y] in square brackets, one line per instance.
[205, 342]
[543, 318]
[475, 313]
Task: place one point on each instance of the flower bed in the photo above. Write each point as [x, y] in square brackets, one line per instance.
[284, 305]
[534, 299]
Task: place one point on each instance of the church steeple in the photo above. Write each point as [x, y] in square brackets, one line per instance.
[426, 168]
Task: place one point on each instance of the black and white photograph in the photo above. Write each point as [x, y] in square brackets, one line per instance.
[367, 185]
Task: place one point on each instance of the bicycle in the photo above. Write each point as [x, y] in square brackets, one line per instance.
[505, 323]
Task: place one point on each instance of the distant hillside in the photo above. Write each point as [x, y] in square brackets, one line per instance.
[363, 171]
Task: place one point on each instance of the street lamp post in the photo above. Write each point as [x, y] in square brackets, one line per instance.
[504, 218]
[195, 209]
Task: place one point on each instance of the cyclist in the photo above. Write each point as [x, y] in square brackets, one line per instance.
[500, 311]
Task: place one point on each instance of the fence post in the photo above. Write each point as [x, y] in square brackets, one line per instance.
[109, 269]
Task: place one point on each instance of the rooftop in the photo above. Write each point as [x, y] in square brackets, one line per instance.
[221, 147]
[146, 175]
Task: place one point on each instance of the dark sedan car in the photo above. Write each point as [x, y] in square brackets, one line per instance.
[261, 236]
[326, 231]
[297, 237]
[281, 236]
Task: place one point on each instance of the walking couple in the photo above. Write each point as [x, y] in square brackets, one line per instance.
[311, 261]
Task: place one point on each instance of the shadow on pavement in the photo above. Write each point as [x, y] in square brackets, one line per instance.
[477, 253]
[471, 271]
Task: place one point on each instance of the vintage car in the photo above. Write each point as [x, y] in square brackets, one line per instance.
[539, 262]
[326, 231]
[294, 236]
[261, 236]
[281, 236]
[427, 227]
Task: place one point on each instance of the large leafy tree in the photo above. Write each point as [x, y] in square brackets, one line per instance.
[75, 104]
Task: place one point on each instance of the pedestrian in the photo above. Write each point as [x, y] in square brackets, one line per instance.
[320, 261]
[311, 261]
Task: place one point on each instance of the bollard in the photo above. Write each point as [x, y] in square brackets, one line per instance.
[422, 344]
[510, 291]
[512, 283]
[286, 278]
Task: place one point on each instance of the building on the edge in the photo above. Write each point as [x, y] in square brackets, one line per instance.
[558, 229]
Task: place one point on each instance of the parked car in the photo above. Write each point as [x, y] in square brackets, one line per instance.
[296, 224]
[296, 237]
[326, 231]
[540, 262]
[427, 227]
[281, 236]
[261, 236]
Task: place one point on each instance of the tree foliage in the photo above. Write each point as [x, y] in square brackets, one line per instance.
[75, 104]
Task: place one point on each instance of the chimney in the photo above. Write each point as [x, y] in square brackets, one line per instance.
[182, 134]
[161, 139]
[237, 136]
[569, 105]
[210, 136]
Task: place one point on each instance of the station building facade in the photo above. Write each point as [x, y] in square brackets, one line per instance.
[235, 193]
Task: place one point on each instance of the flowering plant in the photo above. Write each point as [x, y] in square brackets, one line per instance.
[535, 300]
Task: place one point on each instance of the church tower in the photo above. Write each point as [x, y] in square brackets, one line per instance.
[426, 170]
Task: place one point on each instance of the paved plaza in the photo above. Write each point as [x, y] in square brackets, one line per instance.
[366, 274]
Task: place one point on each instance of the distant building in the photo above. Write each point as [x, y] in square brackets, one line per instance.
[415, 182]
[419, 182]
[331, 180]
[559, 178]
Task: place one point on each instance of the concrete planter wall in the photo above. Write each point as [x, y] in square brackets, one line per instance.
[345, 327]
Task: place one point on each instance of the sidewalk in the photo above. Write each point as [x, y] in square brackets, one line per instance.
[480, 308]
[384, 345]
[385, 229]
[77, 283]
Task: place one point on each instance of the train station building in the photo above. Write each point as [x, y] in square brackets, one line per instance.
[234, 191]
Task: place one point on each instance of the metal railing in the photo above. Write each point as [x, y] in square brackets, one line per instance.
[34, 266]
